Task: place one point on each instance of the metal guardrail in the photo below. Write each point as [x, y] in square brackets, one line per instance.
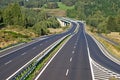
[31, 67]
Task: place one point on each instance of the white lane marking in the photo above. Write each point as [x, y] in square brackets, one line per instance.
[74, 46]
[24, 53]
[73, 52]
[21, 47]
[101, 47]
[50, 61]
[67, 72]
[90, 60]
[70, 59]
[8, 62]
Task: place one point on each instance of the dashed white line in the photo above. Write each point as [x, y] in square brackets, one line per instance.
[21, 47]
[67, 72]
[70, 59]
[50, 61]
[73, 52]
[24, 53]
[74, 46]
[8, 62]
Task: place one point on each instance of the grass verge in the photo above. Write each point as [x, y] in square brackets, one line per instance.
[64, 7]
[112, 49]
[45, 60]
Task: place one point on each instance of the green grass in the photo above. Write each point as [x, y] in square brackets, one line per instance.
[64, 7]
[61, 6]
[45, 60]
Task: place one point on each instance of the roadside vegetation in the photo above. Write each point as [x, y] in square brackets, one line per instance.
[20, 24]
[114, 36]
[42, 63]
[112, 49]
[64, 7]
[30, 19]
[102, 15]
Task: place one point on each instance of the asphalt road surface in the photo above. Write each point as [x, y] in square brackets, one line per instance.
[71, 62]
[100, 58]
[19, 57]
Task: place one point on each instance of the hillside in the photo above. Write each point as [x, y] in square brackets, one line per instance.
[19, 24]
[100, 14]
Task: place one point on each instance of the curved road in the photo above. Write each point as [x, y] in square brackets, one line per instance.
[70, 63]
[17, 58]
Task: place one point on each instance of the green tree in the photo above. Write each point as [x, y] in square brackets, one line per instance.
[111, 23]
[12, 15]
[40, 28]
[1, 17]
[96, 19]
[102, 28]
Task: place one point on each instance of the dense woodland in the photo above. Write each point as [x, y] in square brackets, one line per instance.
[103, 15]
[37, 20]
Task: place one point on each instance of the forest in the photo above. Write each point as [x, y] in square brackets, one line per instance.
[20, 24]
[104, 15]
[38, 20]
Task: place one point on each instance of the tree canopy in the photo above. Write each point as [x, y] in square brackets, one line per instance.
[101, 14]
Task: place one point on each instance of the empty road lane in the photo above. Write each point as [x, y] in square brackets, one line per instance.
[16, 59]
[71, 62]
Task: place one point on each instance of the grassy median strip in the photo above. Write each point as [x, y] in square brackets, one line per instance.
[112, 49]
[45, 60]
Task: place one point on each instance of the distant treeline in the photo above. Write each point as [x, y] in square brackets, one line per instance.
[37, 3]
[37, 20]
[104, 15]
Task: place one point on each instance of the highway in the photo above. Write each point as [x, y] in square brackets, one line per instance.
[71, 62]
[13, 60]
[100, 58]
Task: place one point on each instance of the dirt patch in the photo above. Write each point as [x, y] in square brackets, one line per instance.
[114, 50]
[56, 12]
[54, 31]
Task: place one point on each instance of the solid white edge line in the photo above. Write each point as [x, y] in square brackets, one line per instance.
[90, 60]
[27, 63]
[67, 72]
[106, 53]
[50, 60]
[20, 48]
